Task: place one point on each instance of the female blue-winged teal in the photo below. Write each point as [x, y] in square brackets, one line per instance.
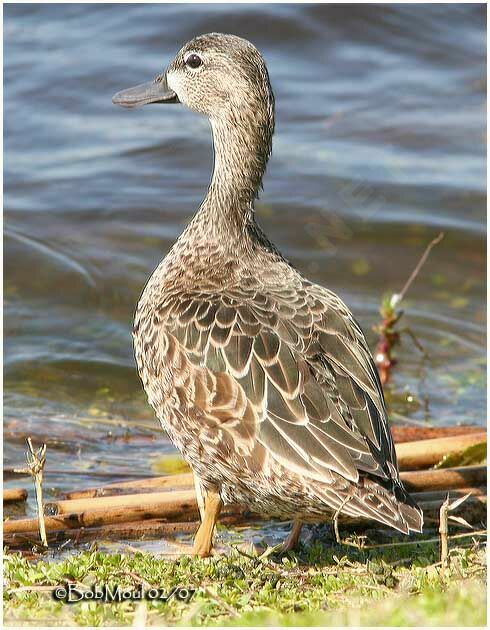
[262, 379]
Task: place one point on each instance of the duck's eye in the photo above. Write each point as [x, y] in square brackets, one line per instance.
[193, 61]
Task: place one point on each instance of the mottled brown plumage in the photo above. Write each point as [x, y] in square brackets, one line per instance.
[262, 379]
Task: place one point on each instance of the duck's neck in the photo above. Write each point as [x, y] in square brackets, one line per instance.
[242, 145]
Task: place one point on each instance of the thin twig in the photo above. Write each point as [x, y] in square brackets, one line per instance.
[482, 532]
[443, 524]
[443, 531]
[389, 335]
[336, 519]
[220, 601]
[377, 587]
[419, 266]
[39, 588]
[408, 331]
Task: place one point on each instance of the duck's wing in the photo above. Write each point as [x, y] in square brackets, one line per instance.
[288, 369]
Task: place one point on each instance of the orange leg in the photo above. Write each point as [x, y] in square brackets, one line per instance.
[203, 542]
[292, 540]
[199, 494]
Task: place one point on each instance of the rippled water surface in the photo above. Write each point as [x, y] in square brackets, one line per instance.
[379, 145]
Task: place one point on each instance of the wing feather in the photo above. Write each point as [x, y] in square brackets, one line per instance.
[293, 365]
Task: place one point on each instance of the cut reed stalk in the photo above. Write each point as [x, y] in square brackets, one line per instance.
[11, 495]
[150, 484]
[444, 478]
[168, 501]
[416, 433]
[425, 453]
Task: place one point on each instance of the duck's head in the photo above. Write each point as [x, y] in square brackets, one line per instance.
[215, 74]
[225, 78]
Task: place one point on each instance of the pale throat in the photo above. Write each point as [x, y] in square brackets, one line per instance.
[241, 151]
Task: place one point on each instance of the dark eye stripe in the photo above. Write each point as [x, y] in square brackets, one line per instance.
[193, 61]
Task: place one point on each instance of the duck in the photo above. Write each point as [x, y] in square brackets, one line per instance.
[261, 378]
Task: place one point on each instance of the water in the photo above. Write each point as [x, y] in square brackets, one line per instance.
[379, 145]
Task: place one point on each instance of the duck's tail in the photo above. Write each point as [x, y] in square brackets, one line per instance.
[387, 502]
[392, 506]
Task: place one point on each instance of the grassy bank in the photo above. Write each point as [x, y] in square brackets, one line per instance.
[321, 585]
